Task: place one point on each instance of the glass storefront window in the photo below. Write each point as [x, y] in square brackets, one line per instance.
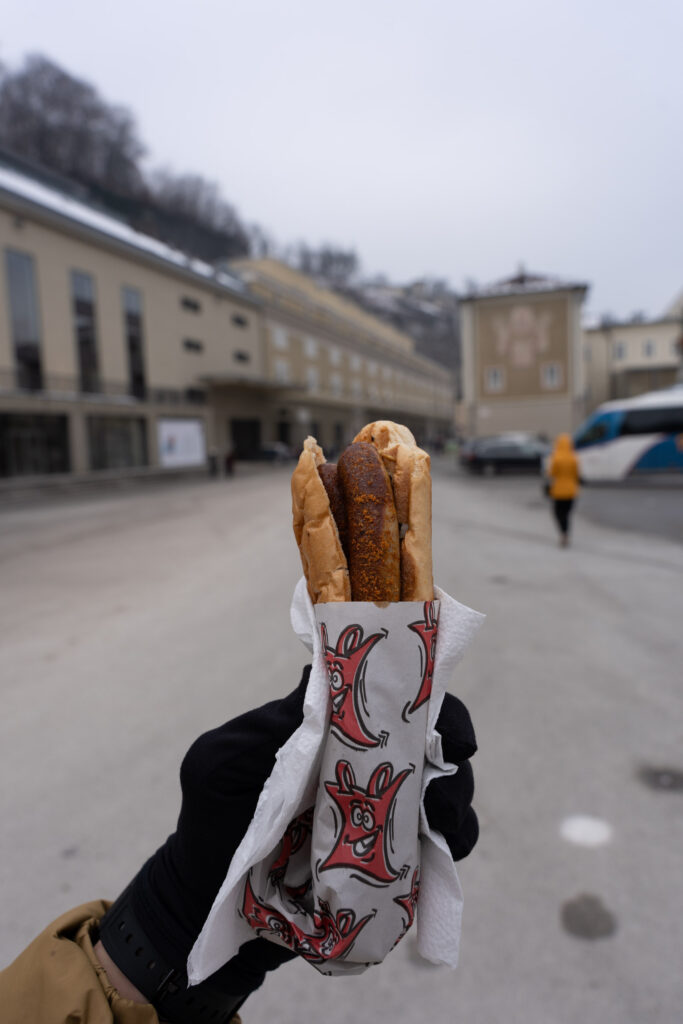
[117, 442]
[33, 444]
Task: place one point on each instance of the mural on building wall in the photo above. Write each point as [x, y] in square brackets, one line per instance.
[521, 347]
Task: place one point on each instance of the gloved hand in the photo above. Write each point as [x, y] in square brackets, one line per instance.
[221, 777]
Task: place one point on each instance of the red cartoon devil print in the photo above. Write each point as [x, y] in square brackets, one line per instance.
[333, 936]
[409, 903]
[294, 838]
[346, 670]
[426, 629]
[364, 837]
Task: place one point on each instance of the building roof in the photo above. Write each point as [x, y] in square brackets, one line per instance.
[523, 283]
[284, 279]
[596, 325]
[39, 195]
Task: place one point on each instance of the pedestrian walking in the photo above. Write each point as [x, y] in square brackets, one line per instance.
[563, 472]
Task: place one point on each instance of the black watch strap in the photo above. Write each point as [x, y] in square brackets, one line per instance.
[163, 985]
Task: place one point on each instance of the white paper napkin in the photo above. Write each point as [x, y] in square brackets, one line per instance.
[346, 914]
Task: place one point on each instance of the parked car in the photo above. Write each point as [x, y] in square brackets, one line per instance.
[504, 452]
[275, 451]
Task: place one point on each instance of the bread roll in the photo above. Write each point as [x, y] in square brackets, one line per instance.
[322, 556]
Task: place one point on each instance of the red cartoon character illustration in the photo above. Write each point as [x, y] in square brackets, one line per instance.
[264, 918]
[426, 630]
[294, 838]
[332, 940]
[409, 903]
[364, 838]
[346, 670]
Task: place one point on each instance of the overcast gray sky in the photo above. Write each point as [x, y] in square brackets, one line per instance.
[446, 138]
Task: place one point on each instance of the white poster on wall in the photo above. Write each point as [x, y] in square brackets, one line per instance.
[181, 443]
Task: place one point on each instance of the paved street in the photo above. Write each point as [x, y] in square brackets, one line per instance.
[133, 621]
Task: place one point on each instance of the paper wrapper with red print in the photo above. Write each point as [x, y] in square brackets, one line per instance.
[339, 858]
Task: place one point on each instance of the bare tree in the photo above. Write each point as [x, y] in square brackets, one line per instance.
[61, 122]
[192, 196]
[336, 266]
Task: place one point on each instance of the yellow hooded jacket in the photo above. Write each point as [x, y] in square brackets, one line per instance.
[564, 470]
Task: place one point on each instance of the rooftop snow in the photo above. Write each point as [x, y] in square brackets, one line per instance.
[72, 209]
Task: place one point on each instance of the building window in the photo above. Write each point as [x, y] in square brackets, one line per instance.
[239, 320]
[356, 363]
[240, 356]
[310, 347]
[192, 345]
[191, 305]
[494, 379]
[372, 367]
[279, 336]
[33, 444]
[336, 383]
[648, 349]
[619, 350]
[335, 355]
[117, 442]
[312, 378]
[356, 387]
[24, 319]
[83, 302]
[551, 376]
[282, 371]
[135, 343]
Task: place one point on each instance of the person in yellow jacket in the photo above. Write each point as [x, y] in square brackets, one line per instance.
[563, 472]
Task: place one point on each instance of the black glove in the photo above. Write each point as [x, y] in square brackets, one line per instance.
[448, 800]
[221, 777]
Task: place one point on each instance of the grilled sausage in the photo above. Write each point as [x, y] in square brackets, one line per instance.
[329, 477]
[373, 542]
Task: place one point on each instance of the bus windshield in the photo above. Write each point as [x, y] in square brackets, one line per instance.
[594, 431]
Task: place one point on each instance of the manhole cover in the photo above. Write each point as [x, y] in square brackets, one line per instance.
[664, 780]
[499, 579]
[587, 917]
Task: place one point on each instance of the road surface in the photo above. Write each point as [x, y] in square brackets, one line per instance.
[132, 622]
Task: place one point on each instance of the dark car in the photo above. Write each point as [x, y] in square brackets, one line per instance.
[275, 451]
[504, 453]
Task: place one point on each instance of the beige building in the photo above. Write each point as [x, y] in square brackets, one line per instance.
[119, 354]
[628, 359]
[336, 366]
[522, 359]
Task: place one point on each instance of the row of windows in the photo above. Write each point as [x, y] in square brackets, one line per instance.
[26, 328]
[195, 306]
[37, 444]
[312, 350]
[648, 349]
[551, 378]
[336, 382]
[196, 346]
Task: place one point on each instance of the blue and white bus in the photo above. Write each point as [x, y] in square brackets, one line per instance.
[633, 436]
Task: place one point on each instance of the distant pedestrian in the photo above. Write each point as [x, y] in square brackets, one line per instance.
[564, 483]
